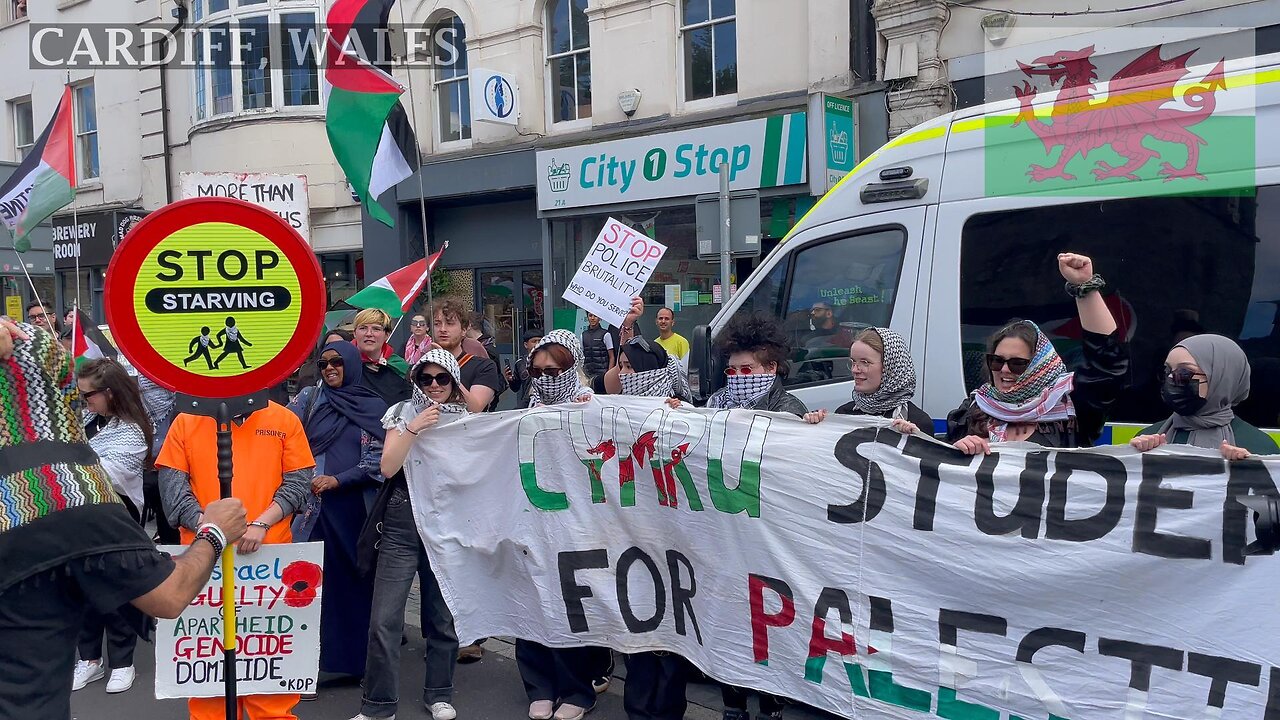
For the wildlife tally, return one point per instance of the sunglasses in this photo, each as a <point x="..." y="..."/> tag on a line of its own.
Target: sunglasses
<point x="426" y="380"/>
<point x="1017" y="366"/>
<point x="551" y="372"/>
<point x="334" y="362"/>
<point x="89" y="394"/>
<point x="742" y="370"/>
<point x="418" y="323"/>
<point x="1181" y="375"/>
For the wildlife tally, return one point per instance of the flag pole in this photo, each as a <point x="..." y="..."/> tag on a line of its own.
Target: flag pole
<point x="422" y="203"/>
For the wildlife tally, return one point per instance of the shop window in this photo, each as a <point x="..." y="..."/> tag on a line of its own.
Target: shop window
<point x="24" y="130"/>
<point x="452" y="89"/>
<point x="709" y="30"/>
<point x="86" y="127"/>
<point x="1175" y="267"/>
<point x="276" y="67"/>
<point x="568" y="60"/>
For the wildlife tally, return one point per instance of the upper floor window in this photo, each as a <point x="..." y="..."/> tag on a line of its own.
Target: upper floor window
<point x="14" y="10"/>
<point x="452" y="91"/>
<point x="710" y="32"/>
<point x="275" y="65"/>
<point x="24" y="128"/>
<point x="568" y="60"/>
<point x="86" y="116"/>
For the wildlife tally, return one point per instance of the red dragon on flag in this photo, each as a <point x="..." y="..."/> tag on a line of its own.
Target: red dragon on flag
<point x="1133" y="110"/>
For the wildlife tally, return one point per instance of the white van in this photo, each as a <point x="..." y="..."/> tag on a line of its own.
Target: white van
<point x="944" y="235"/>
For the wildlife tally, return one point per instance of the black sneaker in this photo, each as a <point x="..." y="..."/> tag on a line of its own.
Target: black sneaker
<point x="734" y="714"/>
<point x="775" y="715"/>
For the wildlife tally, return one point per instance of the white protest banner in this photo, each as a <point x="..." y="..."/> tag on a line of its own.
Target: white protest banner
<point x="858" y="570"/>
<point x="615" y="270"/>
<point x="278" y="591"/>
<point x="284" y="195"/>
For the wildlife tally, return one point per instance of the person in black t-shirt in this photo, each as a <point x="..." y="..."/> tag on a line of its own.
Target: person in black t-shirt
<point x="84" y="549"/>
<point x="481" y="381"/>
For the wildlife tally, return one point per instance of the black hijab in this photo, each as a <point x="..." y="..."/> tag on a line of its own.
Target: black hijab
<point x="350" y="403"/>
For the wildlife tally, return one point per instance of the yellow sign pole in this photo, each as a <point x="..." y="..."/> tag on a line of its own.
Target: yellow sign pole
<point x="225" y="471"/>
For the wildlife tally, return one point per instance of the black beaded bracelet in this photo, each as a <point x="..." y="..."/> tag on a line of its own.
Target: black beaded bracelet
<point x="1093" y="284"/>
<point x="213" y="540"/>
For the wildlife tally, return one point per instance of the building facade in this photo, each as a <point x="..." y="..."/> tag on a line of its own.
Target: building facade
<point x="623" y="108"/>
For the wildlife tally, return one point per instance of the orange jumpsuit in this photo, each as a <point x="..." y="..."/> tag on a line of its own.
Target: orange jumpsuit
<point x="269" y="443"/>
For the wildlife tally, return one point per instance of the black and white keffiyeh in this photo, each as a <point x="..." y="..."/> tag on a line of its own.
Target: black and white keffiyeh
<point x="898" y="382"/>
<point x="566" y="386"/>
<point x="435" y="356"/>
<point x="669" y="381"/>
<point x="742" y="391"/>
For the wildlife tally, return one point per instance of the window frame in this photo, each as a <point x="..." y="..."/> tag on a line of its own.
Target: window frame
<point x="77" y="104"/>
<point x="237" y="13"/>
<point x="716" y="100"/>
<point x="548" y="62"/>
<point x="11" y="16"/>
<point x="438" y="82"/>
<point x="789" y="282"/>
<point x="21" y="150"/>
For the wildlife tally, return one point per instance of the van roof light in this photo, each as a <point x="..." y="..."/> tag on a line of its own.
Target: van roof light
<point x="897" y="173"/>
<point x="894" y="191"/>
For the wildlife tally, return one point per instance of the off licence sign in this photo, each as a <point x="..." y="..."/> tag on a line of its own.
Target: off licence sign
<point x="215" y="297"/>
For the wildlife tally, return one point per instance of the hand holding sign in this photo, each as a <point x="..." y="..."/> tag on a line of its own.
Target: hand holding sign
<point x="615" y="270"/>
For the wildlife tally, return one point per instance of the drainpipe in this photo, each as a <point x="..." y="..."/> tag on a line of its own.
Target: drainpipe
<point x="862" y="40"/>
<point x="180" y="14"/>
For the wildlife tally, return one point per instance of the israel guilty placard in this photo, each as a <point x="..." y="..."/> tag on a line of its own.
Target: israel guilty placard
<point x="615" y="270"/>
<point x="216" y="295"/>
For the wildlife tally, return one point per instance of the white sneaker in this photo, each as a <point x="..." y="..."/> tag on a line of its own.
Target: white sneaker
<point x="121" y="679"/>
<point x="87" y="671"/>
<point x="362" y="716"/>
<point x="443" y="711"/>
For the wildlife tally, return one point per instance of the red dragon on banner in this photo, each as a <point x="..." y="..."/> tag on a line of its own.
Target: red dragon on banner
<point x="1133" y="110"/>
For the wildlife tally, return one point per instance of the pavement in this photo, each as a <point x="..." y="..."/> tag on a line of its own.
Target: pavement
<point x="486" y="690"/>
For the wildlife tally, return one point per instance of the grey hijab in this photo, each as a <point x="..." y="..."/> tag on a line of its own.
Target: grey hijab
<point x="1228" y="369"/>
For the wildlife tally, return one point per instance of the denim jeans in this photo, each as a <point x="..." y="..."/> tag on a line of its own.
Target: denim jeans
<point x="400" y="555"/>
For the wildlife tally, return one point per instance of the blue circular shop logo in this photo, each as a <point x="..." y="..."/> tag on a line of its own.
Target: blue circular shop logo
<point x="499" y="96"/>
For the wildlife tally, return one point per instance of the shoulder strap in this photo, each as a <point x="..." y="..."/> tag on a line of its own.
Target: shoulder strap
<point x="464" y="360"/>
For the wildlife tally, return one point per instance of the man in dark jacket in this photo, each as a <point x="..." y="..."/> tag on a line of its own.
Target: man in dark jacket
<point x="519" y="378"/>
<point x="597" y="348"/>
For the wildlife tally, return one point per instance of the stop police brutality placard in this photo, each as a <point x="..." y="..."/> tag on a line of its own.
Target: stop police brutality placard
<point x="615" y="270"/>
<point x="214" y="297"/>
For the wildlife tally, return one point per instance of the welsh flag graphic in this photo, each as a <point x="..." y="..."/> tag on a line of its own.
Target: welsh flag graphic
<point x="368" y="130"/>
<point x="395" y="292"/>
<point x="45" y="181"/>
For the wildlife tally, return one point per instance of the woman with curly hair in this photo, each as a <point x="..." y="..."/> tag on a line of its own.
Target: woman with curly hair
<point x="756" y="350"/>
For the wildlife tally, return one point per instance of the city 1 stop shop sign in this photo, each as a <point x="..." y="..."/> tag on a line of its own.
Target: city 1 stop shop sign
<point x="215" y="297"/>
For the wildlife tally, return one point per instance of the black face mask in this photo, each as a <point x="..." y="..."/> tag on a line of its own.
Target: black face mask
<point x="1185" y="399"/>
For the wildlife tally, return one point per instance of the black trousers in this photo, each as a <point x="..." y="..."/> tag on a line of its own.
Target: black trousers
<point x="121" y="639"/>
<point x="655" y="688"/>
<point x="736" y="698"/>
<point x="558" y="674"/>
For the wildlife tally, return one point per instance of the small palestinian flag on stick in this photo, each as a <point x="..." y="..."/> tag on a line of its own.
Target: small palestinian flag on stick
<point x="394" y="293"/>
<point x="45" y="182"/>
<point x="87" y="341"/>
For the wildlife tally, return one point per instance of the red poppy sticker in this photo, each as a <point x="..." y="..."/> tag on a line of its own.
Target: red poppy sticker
<point x="301" y="579"/>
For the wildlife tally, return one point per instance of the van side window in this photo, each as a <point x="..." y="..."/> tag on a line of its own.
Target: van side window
<point x="837" y="288"/>
<point x="1174" y="266"/>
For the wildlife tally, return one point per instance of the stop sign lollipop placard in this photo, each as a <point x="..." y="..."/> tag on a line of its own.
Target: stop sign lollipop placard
<point x="214" y="297"/>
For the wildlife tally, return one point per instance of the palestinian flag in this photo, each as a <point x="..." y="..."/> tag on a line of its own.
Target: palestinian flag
<point x="45" y="182"/>
<point x="87" y="341"/>
<point x="368" y="130"/>
<point x="394" y="293"/>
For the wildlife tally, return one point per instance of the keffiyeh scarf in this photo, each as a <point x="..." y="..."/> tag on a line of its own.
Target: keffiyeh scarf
<point x="742" y="391"/>
<point x="564" y="387"/>
<point x="898" y="382"/>
<point x="1042" y="392"/>
<point x="435" y="356"/>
